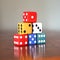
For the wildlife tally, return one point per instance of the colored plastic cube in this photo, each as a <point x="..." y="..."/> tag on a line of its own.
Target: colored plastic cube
<point x="41" y="38"/>
<point x="32" y="39"/>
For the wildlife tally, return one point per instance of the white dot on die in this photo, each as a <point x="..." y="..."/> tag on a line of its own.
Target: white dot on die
<point x="34" y="41"/>
<point x="43" y="40"/>
<point x="25" y="42"/>
<point x="34" y="35"/>
<point x="29" y="36"/>
<point x="30" y="42"/>
<point x="43" y="35"/>
<point x="15" y="36"/>
<point x="23" y="13"/>
<point x="26" y="13"/>
<point x="26" y="19"/>
<point x="26" y="36"/>
<point x="32" y="17"/>
<point x="38" y="35"/>
<point x="32" y="38"/>
<point x="24" y="16"/>
<point x="20" y="43"/>
<point x="20" y="37"/>
<point x="16" y="42"/>
<point x="39" y="41"/>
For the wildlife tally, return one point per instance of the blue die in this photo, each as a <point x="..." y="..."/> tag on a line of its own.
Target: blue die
<point x="41" y="38"/>
<point x="32" y="39"/>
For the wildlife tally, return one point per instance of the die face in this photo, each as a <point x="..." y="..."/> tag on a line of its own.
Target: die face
<point x="21" y="40"/>
<point x="24" y="28"/>
<point x="32" y="39"/>
<point x="37" y="28"/>
<point x="16" y="39"/>
<point x="41" y="39"/>
<point x="29" y="17"/>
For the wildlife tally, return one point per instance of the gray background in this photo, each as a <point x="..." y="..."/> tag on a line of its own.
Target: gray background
<point x="48" y="13"/>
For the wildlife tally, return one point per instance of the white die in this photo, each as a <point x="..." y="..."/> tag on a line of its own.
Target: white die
<point x="37" y="28"/>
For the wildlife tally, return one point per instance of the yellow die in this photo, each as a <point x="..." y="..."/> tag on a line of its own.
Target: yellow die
<point x="24" y="28"/>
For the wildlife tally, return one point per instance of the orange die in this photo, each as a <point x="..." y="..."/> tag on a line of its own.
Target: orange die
<point x="24" y="28"/>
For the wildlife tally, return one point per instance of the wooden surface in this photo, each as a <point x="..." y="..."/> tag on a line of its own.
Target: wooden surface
<point x="48" y="51"/>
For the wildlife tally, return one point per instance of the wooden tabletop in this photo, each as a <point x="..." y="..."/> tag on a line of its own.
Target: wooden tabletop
<point x="48" y="51"/>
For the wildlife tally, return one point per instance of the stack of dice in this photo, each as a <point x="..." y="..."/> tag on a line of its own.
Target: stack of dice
<point x="29" y="32"/>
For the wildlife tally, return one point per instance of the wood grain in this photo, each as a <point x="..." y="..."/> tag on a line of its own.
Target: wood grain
<point x="48" y="51"/>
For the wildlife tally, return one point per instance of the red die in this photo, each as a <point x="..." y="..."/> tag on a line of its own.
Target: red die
<point x="30" y="17"/>
<point x="20" y="39"/>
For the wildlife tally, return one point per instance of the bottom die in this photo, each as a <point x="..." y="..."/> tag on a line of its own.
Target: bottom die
<point x="20" y="39"/>
<point x="41" y="38"/>
<point x="32" y="39"/>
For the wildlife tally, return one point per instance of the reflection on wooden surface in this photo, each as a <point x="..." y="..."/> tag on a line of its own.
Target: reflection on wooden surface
<point x="50" y="51"/>
<point x="29" y="52"/>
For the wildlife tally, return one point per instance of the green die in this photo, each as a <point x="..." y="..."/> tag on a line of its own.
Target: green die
<point x="41" y="38"/>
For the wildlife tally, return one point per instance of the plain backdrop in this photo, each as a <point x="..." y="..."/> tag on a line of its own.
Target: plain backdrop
<point x="48" y="12"/>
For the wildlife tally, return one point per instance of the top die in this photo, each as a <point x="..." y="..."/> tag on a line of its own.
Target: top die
<point x="29" y="17"/>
